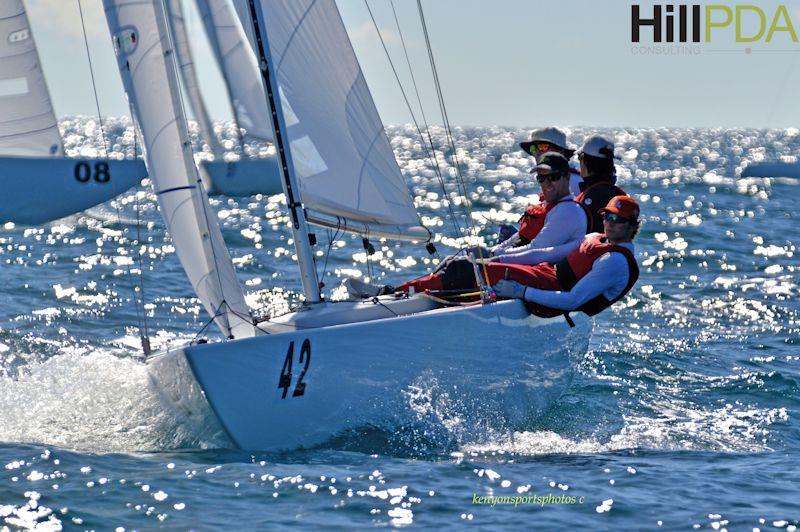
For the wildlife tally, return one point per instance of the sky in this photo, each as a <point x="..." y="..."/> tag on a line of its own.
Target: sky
<point x="521" y="63"/>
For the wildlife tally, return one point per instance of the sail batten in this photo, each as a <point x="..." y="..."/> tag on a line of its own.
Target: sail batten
<point x="344" y="162"/>
<point x="141" y="41"/>
<point x="28" y="125"/>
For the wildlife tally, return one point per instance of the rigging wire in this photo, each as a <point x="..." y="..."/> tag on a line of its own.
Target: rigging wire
<point x="445" y="117"/>
<point x="449" y="135"/>
<point x="144" y="331"/>
<point x="139" y="309"/>
<point x="138" y="302"/>
<point x="431" y="155"/>
<point x="94" y="85"/>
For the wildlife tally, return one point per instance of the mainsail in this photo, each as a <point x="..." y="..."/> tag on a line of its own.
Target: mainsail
<point x="183" y="51"/>
<point x="239" y="67"/>
<point x="343" y="161"/>
<point x="28" y="125"/>
<point x="140" y="37"/>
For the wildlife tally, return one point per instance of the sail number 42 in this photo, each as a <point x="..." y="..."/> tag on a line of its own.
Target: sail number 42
<point x="285" y="380"/>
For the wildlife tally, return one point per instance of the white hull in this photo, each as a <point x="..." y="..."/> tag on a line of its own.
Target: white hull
<point x="772" y="169"/>
<point x="41" y="189"/>
<point x="245" y="177"/>
<point x="496" y="362"/>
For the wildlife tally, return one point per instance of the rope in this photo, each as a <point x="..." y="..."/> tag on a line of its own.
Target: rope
<point x="331" y="240"/>
<point x="94" y="85"/>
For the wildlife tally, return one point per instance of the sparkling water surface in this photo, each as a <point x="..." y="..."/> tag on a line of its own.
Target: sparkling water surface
<point x="683" y="414"/>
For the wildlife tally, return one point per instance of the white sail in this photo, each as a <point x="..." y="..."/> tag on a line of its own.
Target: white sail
<point x="242" y="8"/>
<point x="189" y="75"/>
<point x="28" y="125"/>
<point x="342" y="156"/>
<point x="239" y="67"/>
<point x="140" y="36"/>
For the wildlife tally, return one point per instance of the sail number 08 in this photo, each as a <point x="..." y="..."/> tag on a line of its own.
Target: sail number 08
<point x="285" y="380"/>
<point x="85" y="173"/>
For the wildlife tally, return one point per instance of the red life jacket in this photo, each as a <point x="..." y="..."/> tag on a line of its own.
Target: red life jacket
<point x="595" y="197"/>
<point x="579" y="263"/>
<point x="532" y="222"/>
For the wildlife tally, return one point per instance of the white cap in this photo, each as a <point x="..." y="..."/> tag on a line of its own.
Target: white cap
<point x="597" y="146"/>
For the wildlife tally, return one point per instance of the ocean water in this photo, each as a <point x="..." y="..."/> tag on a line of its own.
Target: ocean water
<point x="684" y="414"/>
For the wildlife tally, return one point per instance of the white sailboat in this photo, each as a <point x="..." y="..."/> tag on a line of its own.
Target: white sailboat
<point x="303" y="378"/>
<point x="32" y="160"/>
<point x="229" y="44"/>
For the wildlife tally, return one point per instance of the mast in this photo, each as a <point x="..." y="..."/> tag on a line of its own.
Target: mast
<point x="305" y="256"/>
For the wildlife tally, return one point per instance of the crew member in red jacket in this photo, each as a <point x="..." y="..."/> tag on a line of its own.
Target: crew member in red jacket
<point x="598" y="272"/>
<point x="548" y="229"/>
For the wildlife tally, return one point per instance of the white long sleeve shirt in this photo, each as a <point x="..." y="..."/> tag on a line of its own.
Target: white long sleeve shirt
<point x="575" y="181"/>
<point x="565" y="224"/>
<point x="608" y="277"/>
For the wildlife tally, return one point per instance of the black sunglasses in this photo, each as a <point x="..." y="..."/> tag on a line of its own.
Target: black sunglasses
<point x="552" y="176"/>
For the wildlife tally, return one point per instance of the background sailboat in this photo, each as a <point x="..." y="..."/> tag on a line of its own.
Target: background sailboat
<point x="772" y="169"/>
<point x="330" y="367"/>
<point x="249" y="174"/>
<point x="32" y="161"/>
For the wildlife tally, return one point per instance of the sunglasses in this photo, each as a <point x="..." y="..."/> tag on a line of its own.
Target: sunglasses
<point x="553" y="177"/>
<point x="615" y="218"/>
<point x="541" y="147"/>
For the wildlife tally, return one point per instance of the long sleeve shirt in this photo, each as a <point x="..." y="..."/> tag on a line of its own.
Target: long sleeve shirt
<point x="566" y="223"/>
<point x="608" y="277"/>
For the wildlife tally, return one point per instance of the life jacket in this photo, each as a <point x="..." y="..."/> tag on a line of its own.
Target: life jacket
<point x="532" y="222"/>
<point x="596" y="196"/>
<point x="579" y="263"/>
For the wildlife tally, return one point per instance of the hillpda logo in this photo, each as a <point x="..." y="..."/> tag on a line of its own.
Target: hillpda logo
<point x="693" y="25"/>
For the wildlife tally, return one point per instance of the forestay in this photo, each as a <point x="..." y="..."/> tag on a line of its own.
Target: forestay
<point x="28" y="125"/>
<point x="141" y="41"/>
<point x="189" y="75"/>
<point x="341" y="154"/>
<point x="239" y="67"/>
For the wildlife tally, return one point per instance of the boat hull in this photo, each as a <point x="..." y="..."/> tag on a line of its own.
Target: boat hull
<point x="37" y="190"/>
<point x="491" y="365"/>
<point x="245" y="177"/>
<point x="772" y="169"/>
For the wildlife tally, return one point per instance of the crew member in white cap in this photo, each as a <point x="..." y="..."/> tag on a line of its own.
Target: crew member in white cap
<point x="599" y="177"/>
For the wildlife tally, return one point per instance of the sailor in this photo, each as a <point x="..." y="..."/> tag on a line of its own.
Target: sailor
<point x="559" y="219"/>
<point x="543" y="140"/>
<point x="549" y="139"/>
<point x="550" y="231"/>
<point x="598" y="272"/>
<point x="599" y="177"/>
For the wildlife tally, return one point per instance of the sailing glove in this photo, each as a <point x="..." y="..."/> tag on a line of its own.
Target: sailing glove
<point x="509" y="289"/>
